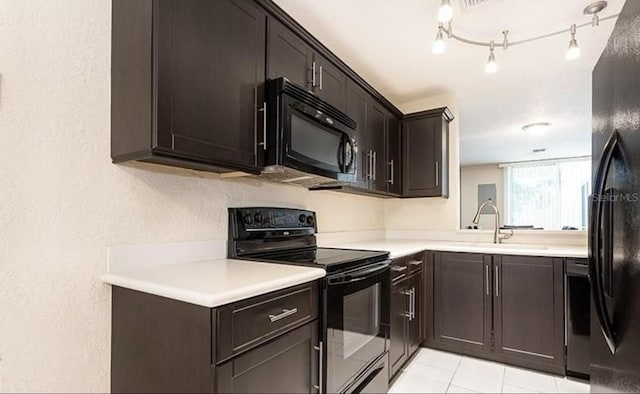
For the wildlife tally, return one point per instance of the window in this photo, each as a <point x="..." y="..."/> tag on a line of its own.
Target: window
<point x="549" y="195"/>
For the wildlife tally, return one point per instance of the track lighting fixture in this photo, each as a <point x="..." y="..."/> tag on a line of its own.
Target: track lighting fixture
<point x="445" y="15"/>
<point x="445" y="12"/>
<point x="574" y="50"/>
<point x="439" y="44"/>
<point x="492" y="65"/>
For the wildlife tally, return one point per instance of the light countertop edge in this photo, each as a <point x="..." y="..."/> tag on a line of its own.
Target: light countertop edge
<point x="401" y="248"/>
<point x="174" y="281"/>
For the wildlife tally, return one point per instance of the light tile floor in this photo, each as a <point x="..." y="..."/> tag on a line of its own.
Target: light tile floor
<point x="433" y="371"/>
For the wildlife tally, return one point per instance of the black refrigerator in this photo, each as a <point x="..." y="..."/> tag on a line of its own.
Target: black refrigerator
<point x="614" y="227"/>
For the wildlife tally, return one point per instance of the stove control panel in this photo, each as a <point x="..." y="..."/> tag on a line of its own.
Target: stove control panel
<point x="262" y="218"/>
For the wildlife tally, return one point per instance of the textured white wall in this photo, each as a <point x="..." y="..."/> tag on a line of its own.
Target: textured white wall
<point x="62" y="202"/>
<point x="437" y="214"/>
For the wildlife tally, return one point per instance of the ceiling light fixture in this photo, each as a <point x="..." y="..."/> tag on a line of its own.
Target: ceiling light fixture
<point x="445" y="12"/>
<point x="536" y="127"/>
<point x="574" y="50"/>
<point x="445" y="15"/>
<point x="439" y="45"/>
<point x="492" y="65"/>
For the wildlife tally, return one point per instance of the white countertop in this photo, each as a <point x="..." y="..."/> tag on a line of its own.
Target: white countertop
<point x="399" y="248"/>
<point x="213" y="283"/>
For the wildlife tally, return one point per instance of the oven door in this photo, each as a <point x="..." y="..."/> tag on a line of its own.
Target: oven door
<point x="316" y="143"/>
<point x="357" y="307"/>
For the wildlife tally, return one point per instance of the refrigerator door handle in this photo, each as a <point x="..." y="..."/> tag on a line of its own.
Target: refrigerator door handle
<point x="595" y="241"/>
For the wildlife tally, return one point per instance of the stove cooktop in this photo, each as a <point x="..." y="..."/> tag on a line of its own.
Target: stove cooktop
<point x="332" y="260"/>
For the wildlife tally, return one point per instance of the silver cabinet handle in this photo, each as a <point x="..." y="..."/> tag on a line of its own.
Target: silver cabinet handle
<point x="413" y="303"/>
<point x="320" y="77"/>
<point x="370" y="172"/>
<point x="313" y="74"/>
<point x="264" y="126"/>
<point x="320" y="360"/>
<point x="409" y="293"/>
<point x="437" y="173"/>
<point x="486" y="275"/>
<point x="395" y="268"/>
<point x="391" y="172"/>
<point x="375" y="172"/>
<point x="416" y="262"/>
<point x="285" y="313"/>
<point x="497" y="281"/>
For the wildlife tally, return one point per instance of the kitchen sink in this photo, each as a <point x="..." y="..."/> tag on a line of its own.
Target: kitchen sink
<point x="482" y="245"/>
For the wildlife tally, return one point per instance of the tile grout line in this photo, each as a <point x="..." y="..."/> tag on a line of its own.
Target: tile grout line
<point x="454" y="375"/>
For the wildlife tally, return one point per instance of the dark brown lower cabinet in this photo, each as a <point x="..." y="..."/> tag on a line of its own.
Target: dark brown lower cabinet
<point x="503" y="308"/>
<point x="399" y="326"/>
<point x="258" y="345"/>
<point x="528" y="310"/>
<point x="288" y="364"/>
<point x="407" y="318"/>
<point x="462" y="302"/>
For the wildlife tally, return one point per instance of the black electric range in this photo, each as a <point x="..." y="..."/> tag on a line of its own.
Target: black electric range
<point x="355" y="292"/>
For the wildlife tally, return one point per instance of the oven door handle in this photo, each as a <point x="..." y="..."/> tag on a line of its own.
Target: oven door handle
<point x="359" y="274"/>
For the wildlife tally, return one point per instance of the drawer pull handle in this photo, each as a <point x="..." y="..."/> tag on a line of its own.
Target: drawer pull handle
<point x="416" y="262"/>
<point x="285" y="313"/>
<point x="398" y="269"/>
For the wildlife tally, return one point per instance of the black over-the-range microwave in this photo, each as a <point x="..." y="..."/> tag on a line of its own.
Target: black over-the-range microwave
<point x="308" y="141"/>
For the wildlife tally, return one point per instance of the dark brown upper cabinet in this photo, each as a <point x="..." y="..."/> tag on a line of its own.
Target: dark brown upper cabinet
<point x="356" y="108"/>
<point x="331" y="83"/>
<point x="425" y="153"/>
<point x="289" y="56"/>
<point x="394" y="154"/>
<point x="376" y="144"/>
<point x="186" y="83"/>
<point x="372" y="118"/>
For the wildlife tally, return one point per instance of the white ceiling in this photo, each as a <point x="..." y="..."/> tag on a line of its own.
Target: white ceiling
<point x="388" y="42"/>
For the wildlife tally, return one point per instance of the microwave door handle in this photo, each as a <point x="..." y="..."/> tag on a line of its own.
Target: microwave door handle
<point x="349" y="152"/>
<point x="595" y="242"/>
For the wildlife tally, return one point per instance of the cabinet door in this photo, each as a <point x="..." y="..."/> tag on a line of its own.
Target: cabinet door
<point x="394" y="180"/>
<point x="528" y="310"/>
<point x="357" y="109"/>
<point x="376" y="136"/>
<point x="462" y="302"/>
<point x="331" y="83"/>
<point x="288" y="364"/>
<point x="399" y="320"/>
<point x="425" y="151"/>
<point x="210" y="58"/>
<point x="288" y="56"/>
<point x="415" y="336"/>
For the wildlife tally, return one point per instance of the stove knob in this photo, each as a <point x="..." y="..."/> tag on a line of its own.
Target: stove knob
<point x="302" y="218"/>
<point x="258" y="217"/>
<point x="248" y="219"/>
<point x="310" y="220"/>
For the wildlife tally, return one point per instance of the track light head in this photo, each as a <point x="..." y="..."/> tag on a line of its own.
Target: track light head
<point x="439" y="44"/>
<point x="574" y="50"/>
<point x="491" y="66"/>
<point x="445" y="12"/>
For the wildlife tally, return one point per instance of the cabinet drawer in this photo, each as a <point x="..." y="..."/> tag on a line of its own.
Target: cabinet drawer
<point x="399" y="269"/>
<point x="246" y="324"/>
<point x="415" y="262"/>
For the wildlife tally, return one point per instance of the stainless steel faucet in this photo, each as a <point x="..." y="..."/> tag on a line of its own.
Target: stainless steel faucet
<point x="497" y="237"/>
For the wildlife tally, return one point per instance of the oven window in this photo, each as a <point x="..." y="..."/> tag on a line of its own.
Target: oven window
<point x="361" y="319"/>
<point x="315" y="142"/>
